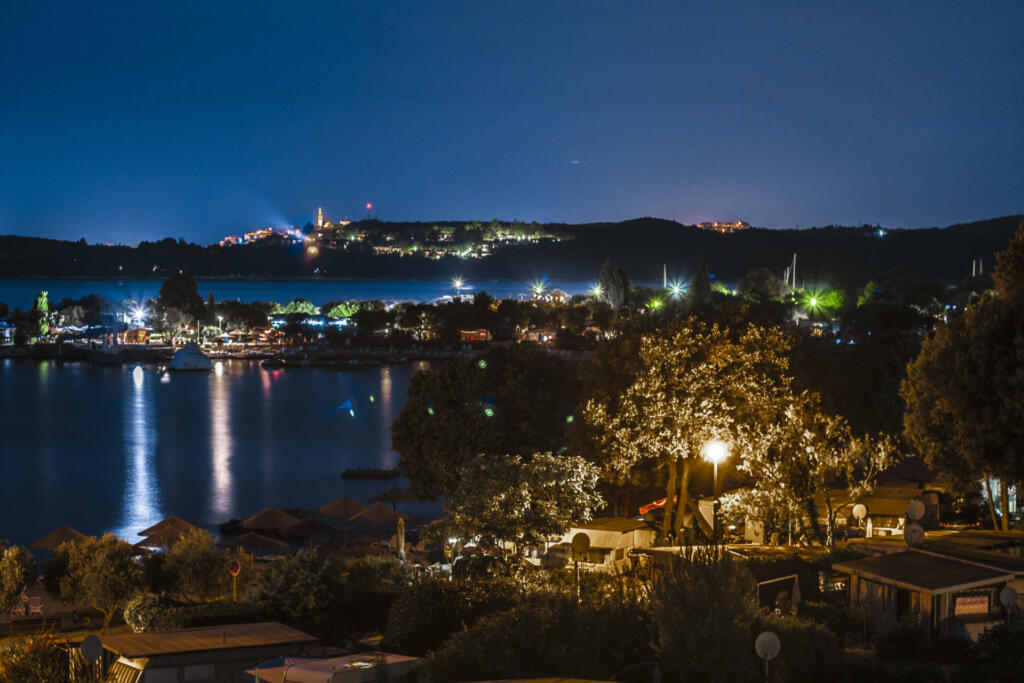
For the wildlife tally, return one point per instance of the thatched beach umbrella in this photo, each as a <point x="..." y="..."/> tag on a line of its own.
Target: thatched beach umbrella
<point x="54" y="539"/>
<point x="162" y="538"/>
<point x="378" y="514"/>
<point x="253" y="542"/>
<point x="169" y="521"/>
<point x="310" y="529"/>
<point x="344" y="507"/>
<point x="394" y="495"/>
<point x="270" y="518"/>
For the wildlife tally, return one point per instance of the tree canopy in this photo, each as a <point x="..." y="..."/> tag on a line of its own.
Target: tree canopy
<point x="965" y="391"/>
<point x="180" y="292"/>
<point x="697" y="382"/>
<point x="522" y="500"/>
<point x="509" y="401"/>
<point x="99" y="572"/>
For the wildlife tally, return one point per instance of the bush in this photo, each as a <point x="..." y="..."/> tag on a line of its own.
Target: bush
<point x="305" y="590"/>
<point x="150" y="613"/>
<point x="906" y="641"/>
<point x="378" y="574"/>
<point x="434" y="608"/>
<point x="837" y="618"/>
<point x="703" y="608"/>
<point x="548" y="638"/>
<point x="37" y="658"/>
<point x="809" y="650"/>
<point x="217" y="613"/>
<point x="1003" y="644"/>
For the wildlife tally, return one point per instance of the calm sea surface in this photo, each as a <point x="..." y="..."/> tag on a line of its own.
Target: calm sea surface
<point x="22" y="293"/>
<point x="102" y="450"/>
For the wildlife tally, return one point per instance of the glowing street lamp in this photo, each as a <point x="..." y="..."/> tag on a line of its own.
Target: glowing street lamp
<point x="813" y="302"/>
<point x="458" y="284"/>
<point x="655" y="304"/>
<point x="676" y="289"/>
<point x="597" y="291"/>
<point x="715" y="451"/>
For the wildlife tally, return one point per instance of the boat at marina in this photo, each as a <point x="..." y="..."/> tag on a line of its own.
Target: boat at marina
<point x="190" y="358"/>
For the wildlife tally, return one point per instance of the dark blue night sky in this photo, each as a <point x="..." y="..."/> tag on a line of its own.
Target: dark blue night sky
<point x="138" y="120"/>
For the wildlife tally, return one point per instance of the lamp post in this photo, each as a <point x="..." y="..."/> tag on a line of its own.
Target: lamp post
<point x="715" y="451"/>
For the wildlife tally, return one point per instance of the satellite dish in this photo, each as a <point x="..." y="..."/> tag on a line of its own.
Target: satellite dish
<point x="1008" y="597"/>
<point x="767" y="645"/>
<point x="860" y="511"/>
<point x="915" y="510"/>
<point x="580" y="544"/>
<point x="913" y="534"/>
<point x="91" y="647"/>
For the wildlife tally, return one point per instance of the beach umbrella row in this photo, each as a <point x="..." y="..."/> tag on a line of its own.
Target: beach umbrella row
<point x="169" y="530"/>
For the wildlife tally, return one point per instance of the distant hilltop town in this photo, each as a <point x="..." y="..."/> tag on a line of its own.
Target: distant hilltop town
<point x="724" y="228"/>
<point x="468" y="240"/>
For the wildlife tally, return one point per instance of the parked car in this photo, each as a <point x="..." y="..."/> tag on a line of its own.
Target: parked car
<point x="966" y="515"/>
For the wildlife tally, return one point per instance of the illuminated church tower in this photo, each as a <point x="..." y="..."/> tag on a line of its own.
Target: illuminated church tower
<point x="319" y="218"/>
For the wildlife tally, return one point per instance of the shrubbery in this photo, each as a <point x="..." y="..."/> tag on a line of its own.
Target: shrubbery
<point x="37" y="658"/>
<point x="547" y="632"/>
<point x="151" y="613"/>
<point x="809" y="649"/>
<point x="434" y="608"/>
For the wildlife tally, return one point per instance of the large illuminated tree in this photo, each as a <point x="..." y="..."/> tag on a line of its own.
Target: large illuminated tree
<point x="522" y="500"/>
<point x="697" y="382"/>
<point x="807" y="464"/>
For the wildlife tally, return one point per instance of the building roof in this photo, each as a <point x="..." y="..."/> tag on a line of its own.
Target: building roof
<point x="302" y="668"/>
<point x="620" y="524"/>
<point x="924" y="572"/>
<point x="207" y="638"/>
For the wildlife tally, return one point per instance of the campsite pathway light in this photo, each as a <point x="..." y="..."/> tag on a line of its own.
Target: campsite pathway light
<point x="715" y="451"/>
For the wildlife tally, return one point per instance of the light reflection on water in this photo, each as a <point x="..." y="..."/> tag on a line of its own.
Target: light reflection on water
<point x="140" y="494"/>
<point x="220" y="442"/>
<point x="102" y="449"/>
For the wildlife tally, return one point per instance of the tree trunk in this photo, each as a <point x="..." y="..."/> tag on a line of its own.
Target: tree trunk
<point x="830" y="521"/>
<point x="991" y="501"/>
<point x="1004" y="503"/>
<point x="812" y="512"/>
<point x="684" y="497"/>
<point x="670" y="491"/>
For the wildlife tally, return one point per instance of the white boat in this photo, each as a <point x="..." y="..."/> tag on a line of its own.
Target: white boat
<point x="190" y="358"/>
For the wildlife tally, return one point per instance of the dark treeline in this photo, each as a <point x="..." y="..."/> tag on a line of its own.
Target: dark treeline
<point x="642" y="246"/>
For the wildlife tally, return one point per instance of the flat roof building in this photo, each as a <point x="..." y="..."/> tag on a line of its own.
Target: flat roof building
<point x="203" y="655"/>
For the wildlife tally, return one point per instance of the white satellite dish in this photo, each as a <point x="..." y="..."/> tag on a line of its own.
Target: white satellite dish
<point x="1008" y="597"/>
<point x="767" y="645"/>
<point x="860" y="511"/>
<point x="915" y="510"/>
<point x="91" y="647"/>
<point x="913" y="534"/>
